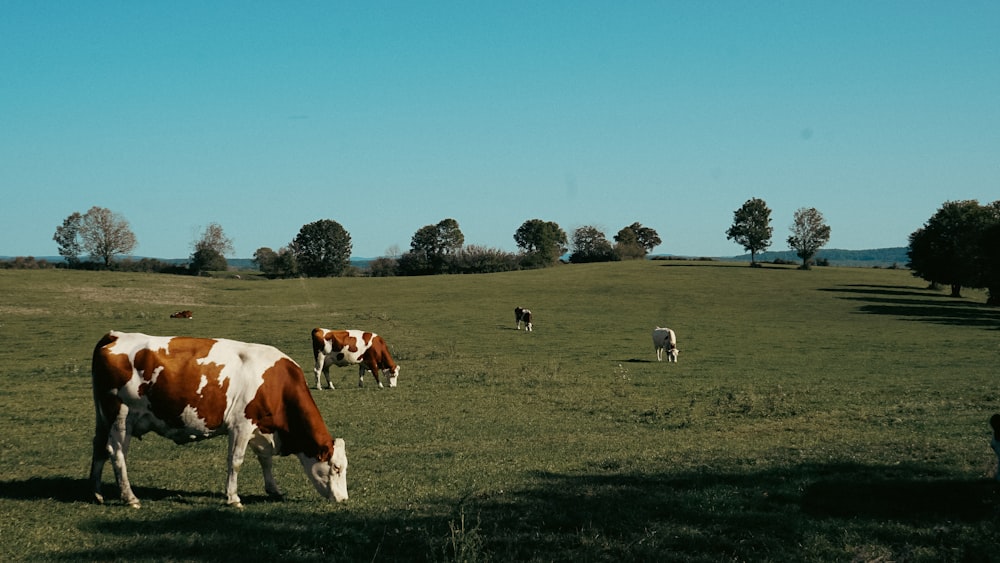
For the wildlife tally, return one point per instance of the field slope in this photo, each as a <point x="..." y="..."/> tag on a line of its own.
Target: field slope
<point x="838" y="414"/>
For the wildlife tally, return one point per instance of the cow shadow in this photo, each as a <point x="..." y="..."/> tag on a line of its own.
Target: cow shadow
<point x="69" y="490"/>
<point x="608" y="513"/>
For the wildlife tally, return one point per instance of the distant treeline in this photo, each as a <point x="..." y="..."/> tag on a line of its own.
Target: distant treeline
<point x="877" y="257"/>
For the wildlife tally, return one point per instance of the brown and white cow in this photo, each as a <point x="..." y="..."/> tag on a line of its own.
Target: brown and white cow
<point x="189" y="389"/>
<point x="347" y="347"/>
<point x="665" y="340"/>
<point x="522" y="315"/>
<point x="995" y="441"/>
<point x="182" y="315"/>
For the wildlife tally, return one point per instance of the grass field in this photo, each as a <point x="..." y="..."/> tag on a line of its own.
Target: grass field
<point x="838" y="414"/>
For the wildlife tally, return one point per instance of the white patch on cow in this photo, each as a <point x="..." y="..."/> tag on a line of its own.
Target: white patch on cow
<point x="194" y="422"/>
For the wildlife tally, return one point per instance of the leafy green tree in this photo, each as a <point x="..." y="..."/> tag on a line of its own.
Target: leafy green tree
<point x="266" y="260"/>
<point x="627" y="246"/>
<point x="751" y="228"/>
<point x="431" y="248"/>
<point x="542" y="242"/>
<point x="67" y="237"/>
<point x="948" y="249"/>
<point x="590" y="245"/>
<point x="322" y="249"/>
<point x="990" y="244"/>
<point x="210" y="250"/>
<point x="809" y="234"/>
<point x="105" y="234"/>
<point x="635" y="241"/>
<point x="645" y="237"/>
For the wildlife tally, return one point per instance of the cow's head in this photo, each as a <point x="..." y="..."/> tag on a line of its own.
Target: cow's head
<point x="393" y="374"/>
<point x="329" y="477"/>
<point x="672" y="355"/>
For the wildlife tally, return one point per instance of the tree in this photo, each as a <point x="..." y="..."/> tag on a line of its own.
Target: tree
<point x="635" y="241"/>
<point x="948" y="248"/>
<point x="430" y="248"/>
<point x="991" y="261"/>
<point x="67" y="237"/>
<point x="809" y="234"/>
<point x="590" y="245"/>
<point x="542" y="242"/>
<point x="266" y="260"/>
<point x="210" y="250"/>
<point x="322" y="248"/>
<point x="104" y="234"/>
<point x="751" y="227"/>
<point x="646" y="237"/>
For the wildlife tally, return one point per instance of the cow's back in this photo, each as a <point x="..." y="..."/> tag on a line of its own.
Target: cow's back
<point x="180" y="387"/>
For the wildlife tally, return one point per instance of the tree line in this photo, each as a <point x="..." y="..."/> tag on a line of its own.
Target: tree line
<point x="959" y="246"/>
<point x="323" y="248"/>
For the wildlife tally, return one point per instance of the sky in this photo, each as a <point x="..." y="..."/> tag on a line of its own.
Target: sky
<point x="389" y="116"/>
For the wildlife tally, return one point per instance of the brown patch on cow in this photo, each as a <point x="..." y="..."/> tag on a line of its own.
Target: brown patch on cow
<point x="172" y="378"/>
<point x="182" y="315"/>
<point x="378" y="357"/>
<point x="109" y="371"/>
<point x="284" y="405"/>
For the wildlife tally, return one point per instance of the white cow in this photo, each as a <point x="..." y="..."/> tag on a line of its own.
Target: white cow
<point x="664" y="339"/>
<point x="995" y="441"/>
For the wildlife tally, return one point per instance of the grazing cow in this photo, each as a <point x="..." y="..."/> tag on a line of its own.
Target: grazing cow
<point x="995" y="441"/>
<point x="521" y="314"/>
<point x="346" y="347"/>
<point x="664" y="339"/>
<point x="182" y="315"/>
<point x="189" y="389"/>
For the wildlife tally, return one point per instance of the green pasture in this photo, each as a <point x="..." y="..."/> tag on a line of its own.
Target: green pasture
<point x="838" y="414"/>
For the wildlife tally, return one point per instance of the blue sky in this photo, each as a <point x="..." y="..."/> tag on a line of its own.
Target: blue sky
<point x="389" y="116"/>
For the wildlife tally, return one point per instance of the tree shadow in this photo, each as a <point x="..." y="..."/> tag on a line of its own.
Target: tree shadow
<point x="919" y="305"/>
<point x="606" y="514"/>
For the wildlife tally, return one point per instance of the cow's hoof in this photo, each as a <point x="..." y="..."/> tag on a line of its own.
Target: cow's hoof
<point x="98" y="498"/>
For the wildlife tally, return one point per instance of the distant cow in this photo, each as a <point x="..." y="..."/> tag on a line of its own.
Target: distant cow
<point x="347" y="347"/>
<point x="521" y="314"/>
<point x="664" y="340"/>
<point x="182" y="315"/>
<point x="995" y="441"/>
<point x="189" y="389"/>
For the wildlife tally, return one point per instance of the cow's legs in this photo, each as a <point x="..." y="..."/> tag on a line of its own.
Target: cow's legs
<point x="371" y="365"/>
<point x="99" y="458"/>
<point x="264" y="449"/>
<point x="321" y="369"/>
<point x="238" y="440"/>
<point x="659" y="354"/>
<point x="117" y="447"/>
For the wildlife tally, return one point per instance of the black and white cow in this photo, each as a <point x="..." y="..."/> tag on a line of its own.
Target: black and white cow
<point x="522" y="315"/>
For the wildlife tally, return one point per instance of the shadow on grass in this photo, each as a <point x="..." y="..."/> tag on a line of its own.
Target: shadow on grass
<point x="924" y="306"/>
<point x="703" y="515"/>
